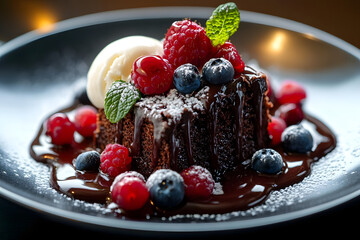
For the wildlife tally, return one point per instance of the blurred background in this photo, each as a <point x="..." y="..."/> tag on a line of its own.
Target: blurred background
<point x="339" y="18"/>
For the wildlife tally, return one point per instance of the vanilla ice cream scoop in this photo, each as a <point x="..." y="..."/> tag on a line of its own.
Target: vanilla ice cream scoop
<point x="115" y="61"/>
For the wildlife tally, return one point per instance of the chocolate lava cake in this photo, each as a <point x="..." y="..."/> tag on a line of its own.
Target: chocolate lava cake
<point x="217" y="127"/>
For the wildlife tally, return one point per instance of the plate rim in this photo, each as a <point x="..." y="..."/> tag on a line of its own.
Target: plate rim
<point x="174" y="12"/>
<point x="161" y="13"/>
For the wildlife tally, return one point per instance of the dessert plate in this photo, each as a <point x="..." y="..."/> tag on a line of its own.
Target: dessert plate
<point x="41" y="73"/>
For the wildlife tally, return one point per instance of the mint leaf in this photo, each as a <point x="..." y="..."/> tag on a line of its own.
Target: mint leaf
<point x="119" y="100"/>
<point x="223" y="23"/>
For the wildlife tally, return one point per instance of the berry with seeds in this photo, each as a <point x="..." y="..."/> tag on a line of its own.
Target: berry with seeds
<point x="291" y="113"/>
<point x="187" y="78"/>
<point x="218" y="71"/>
<point x="85" y="120"/>
<point x="275" y="129"/>
<point x="297" y="139"/>
<point x="199" y="182"/>
<point x="267" y="161"/>
<point x="60" y="129"/>
<point x="88" y="161"/>
<point x="229" y="52"/>
<point x="166" y="188"/>
<point x="187" y="42"/>
<point x="290" y="92"/>
<point x="130" y="193"/>
<point x="152" y="75"/>
<point x="115" y="159"/>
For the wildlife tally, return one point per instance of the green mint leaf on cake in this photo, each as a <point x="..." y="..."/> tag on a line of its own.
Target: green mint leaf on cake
<point x="119" y="100"/>
<point x="223" y="23"/>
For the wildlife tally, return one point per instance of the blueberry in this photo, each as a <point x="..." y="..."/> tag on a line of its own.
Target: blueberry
<point x="186" y="78"/>
<point x="296" y="139"/>
<point x="267" y="161"/>
<point x="218" y="71"/>
<point x="166" y="188"/>
<point x="88" y="161"/>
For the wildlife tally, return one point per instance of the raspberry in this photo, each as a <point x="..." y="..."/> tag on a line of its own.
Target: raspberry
<point x="152" y="75"/>
<point x="85" y="120"/>
<point x="291" y="113"/>
<point x="60" y="129"/>
<point x="229" y="52"/>
<point x="186" y="42"/>
<point x="115" y="159"/>
<point x="291" y="92"/>
<point x="275" y="129"/>
<point x="130" y="193"/>
<point x="198" y="182"/>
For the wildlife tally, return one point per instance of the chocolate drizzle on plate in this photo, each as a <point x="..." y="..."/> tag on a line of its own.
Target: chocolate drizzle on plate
<point x="239" y="188"/>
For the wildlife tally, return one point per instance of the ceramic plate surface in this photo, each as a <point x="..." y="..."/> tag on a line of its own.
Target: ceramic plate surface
<point x="40" y="74"/>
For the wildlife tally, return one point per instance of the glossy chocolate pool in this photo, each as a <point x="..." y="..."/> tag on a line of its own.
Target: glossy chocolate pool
<point x="240" y="189"/>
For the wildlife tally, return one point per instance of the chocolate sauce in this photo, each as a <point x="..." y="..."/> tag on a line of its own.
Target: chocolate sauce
<point x="242" y="188"/>
<point x="188" y="117"/>
<point x="238" y="109"/>
<point x="135" y="146"/>
<point x="214" y="162"/>
<point x="258" y="90"/>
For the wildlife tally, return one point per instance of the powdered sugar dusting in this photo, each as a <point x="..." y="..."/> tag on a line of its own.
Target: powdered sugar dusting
<point x="172" y="105"/>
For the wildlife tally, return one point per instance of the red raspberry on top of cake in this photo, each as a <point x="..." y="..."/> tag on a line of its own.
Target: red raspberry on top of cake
<point x="152" y="74"/>
<point x="187" y="42"/>
<point x="229" y="52"/>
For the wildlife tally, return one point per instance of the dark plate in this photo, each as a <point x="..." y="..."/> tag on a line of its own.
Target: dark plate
<point x="40" y="74"/>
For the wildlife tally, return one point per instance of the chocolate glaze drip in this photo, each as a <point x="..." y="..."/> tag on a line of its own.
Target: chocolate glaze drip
<point x="259" y="89"/>
<point x="238" y="109"/>
<point x="135" y="146"/>
<point x="174" y="143"/>
<point x="188" y="117"/>
<point x="158" y="128"/>
<point x="214" y="163"/>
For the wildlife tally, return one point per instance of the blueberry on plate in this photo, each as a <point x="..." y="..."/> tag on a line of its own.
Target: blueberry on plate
<point x="166" y="188"/>
<point x="267" y="161"/>
<point x="297" y="139"/>
<point x="88" y="161"/>
<point x="218" y="71"/>
<point x="186" y="78"/>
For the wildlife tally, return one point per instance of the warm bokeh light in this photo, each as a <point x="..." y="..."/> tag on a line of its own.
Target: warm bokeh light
<point x="43" y="22"/>
<point x="277" y="42"/>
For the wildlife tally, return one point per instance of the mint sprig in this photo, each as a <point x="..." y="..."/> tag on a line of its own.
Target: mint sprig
<point x="119" y="100"/>
<point x="223" y="23"/>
